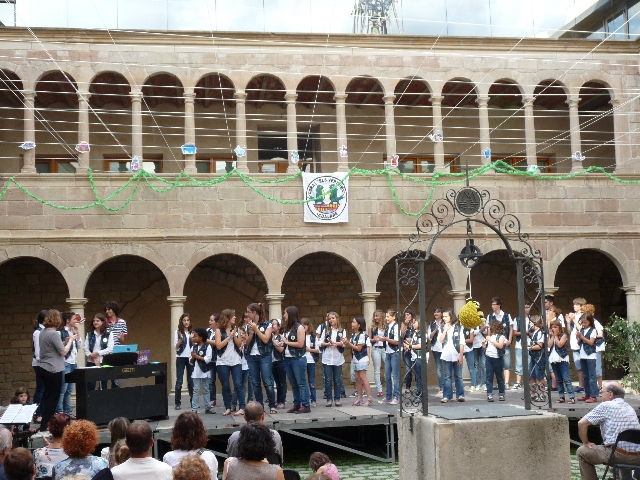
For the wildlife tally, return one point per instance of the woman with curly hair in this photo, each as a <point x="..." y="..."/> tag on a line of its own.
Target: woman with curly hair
<point x="254" y="445"/>
<point x="189" y="437"/>
<point x="192" y="468"/>
<point x="48" y="456"/>
<point x="79" y="440"/>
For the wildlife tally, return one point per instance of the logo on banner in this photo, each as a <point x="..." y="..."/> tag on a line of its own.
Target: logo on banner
<point x="330" y="197"/>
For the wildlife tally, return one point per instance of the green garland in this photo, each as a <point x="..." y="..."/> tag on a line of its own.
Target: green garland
<point x="185" y="180"/>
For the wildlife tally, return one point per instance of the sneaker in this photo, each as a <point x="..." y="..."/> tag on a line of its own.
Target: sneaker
<point x="506" y="386"/>
<point x="501" y="398"/>
<point x="489" y="398"/>
<point x="353" y="395"/>
<point x="178" y="407"/>
<point x="579" y="389"/>
<point x="591" y="400"/>
<point x="516" y="386"/>
<point x="472" y="389"/>
<point x="484" y="388"/>
<point x="210" y="411"/>
<point x="461" y="399"/>
<point x="444" y="400"/>
<point x="394" y="402"/>
<point x="386" y="400"/>
<point x="380" y="394"/>
<point x="303" y="410"/>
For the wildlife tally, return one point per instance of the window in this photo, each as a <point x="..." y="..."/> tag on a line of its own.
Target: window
<point x="279" y="165"/>
<point x="616" y="27"/>
<point x="413" y="164"/>
<point x="56" y="165"/>
<point x="634" y="21"/>
<point x="544" y="163"/>
<point x="220" y="165"/>
<point x="117" y="164"/>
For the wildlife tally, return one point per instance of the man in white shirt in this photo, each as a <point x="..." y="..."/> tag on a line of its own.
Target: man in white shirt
<point x="141" y="465"/>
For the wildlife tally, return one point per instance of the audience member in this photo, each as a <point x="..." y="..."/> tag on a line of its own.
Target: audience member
<point x="193" y="468"/>
<point x="321" y="464"/>
<point x="141" y="465"/>
<point x="118" y="430"/>
<point x="189" y="438"/>
<point x="254" y="446"/>
<point x="19" y="465"/>
<point x="120" y="455"/>
<point x="52" y="453"/>
<point x="5" y="447"/>
<point x="79" y="440"/>
<point x="254" y="413"/>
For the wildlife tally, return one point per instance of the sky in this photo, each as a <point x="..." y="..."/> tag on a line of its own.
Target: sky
<point x="508" y="18"/>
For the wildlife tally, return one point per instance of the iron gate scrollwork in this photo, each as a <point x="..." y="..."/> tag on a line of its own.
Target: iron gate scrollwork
<point x="467" y="206"/>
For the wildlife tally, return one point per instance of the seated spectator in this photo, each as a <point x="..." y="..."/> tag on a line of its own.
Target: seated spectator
<point x="52" y="453"/>
<point x="192" y="468"/>
<point x="321" y="464"/>
<point x="254" y="412"/>
<point x="79" y="440"/>
<point x="118" y="429"/>
<point x="5" y="447"/>
<point x="120" y="455"/>
<point x="19" y="465"/>
<point x="141" y="465"/>
<point x="189" y="437"/>
<point x="255" y="444"/>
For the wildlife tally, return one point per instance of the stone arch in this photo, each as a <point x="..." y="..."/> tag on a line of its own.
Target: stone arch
<point x="56" y="86"/>
<point x="222" y="89"/>
<point x="157" y="86"/>
<point x="498" y="76"/>
<point x="365" y="90"/>
<point x="265" y="87"/>
<point x="36" y="251"/>
<point x="103" y="91"/>
<point x="114" y="68"/>
<point x="412" y="95"/>
<point x="606" y="81"/>
<point x="324" y="78"/>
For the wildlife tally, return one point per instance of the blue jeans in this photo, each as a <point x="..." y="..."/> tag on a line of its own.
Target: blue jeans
<point x="561" y="371"/>
<point x="439" y="372"/>
<point x="262" y="366"/>
<point x="589" y="375"/>
<point x="576" y="359"/>
<point x="507" y="357"/>
<point x="37" y="395"/>
<point x="470" y="358"/>
<point x="246" y="384"/>
<point x="332" y="376"/>
<point x="598" y="364"/>
<point x="225" y="372"/>
<point x="297" y="373"/>
<point x="212" y="381"/>
<point x="64" y="402"/>
<point x="92" y="385"/>
<point x="311" y="379"/>
<point x="280" y="377"/>
<point x="195" y="401"/>
<point x="480" y="366"/>
<point x="183" y="363"/>
<point x="417" y="370"/>
<point x="518" y="361"/>
<point x="452" y="369"/>
<point x="377" y="354"/>
<point x="392" y="374"/>
<point x="494" y="366"/>
<point x="407" y="369"/>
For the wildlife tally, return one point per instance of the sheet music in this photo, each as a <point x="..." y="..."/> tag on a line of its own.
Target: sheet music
<point x="17" y="413"/>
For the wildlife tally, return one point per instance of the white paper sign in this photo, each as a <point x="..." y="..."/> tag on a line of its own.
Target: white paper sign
<point x="330" y="204"/>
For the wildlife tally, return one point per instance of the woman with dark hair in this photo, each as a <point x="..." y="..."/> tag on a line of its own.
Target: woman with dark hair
<point x="189" y="437"/>
<point x="295" y="363"/>
<point x="18" y="464"/>
<point x="259" y="348"/>
<point x="229" y="363"/>
<point x="182" y="344"/>
<point x="79" y="440"/>
<point x="452" y="340"/>
<point x="51" y="363"/>
<point x="69" y="321"/>
<point x="98" y="343"/>
<point x="255" y="444"/>
<point x="279" y="372"/>
<point x="587" y="337"/>
<point x="48" y="456"/>
<point x="118" y="430"/>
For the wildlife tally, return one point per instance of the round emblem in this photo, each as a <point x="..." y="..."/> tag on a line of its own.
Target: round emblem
<point x="330" y="197"/>
<point x="468" y="201"/>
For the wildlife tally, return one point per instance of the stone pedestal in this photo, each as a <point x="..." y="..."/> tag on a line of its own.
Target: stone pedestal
<point x="523" y="447"/>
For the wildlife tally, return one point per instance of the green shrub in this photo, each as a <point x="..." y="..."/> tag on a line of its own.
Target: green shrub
<point x="623" y="349"/>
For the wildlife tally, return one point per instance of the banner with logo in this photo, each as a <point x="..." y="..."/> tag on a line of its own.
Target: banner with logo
<point x="330" y="194"/>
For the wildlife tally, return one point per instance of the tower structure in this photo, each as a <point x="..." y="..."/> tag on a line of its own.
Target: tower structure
<point x="377" y="16"/>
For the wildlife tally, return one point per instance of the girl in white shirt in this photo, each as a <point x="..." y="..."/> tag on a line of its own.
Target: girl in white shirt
<point x="98" y="343"/>
<point x="333" y="358"/>
<point x="182" y="344"/>
<point x="452" y="340"/>
<point x="494" y="362"/>
<point x="312" y="355"/>
<point x="587" y="337"/>
<point x="377" y="347"/>
<point x="360" y="346"/>
<point x="600" y="343"/>
<point x="229" y="363"/>
<point x="559" y="360"/>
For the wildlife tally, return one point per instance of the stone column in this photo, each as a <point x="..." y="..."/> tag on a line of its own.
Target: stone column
<point x="189" y="130"/>
<point x="241" y="129"/>
<point x="633" y="303"/>
<point x="177" y="309"/>
<point x="390" y="126"/>
<point x="574" y="125"/>
<point x="438" y="147"/>
<point x="274" y="301"/>
<point x="292" y="131"/>
<point x="83" y="130"/>
<point x="530" y="131"/>
<point x="77" y="305"/>
<point x="29" y="134"/>
<point x="341" y="129"/>
<point x="485" y="134"/>
<point x="136" y="123"/>
<point x="621" y="136"/>
<point x="368" y="307"/>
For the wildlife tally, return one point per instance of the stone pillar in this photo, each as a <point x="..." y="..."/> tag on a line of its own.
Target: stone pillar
<point x="29" y="134"/>
<point x="633" y="303"/>
<point x="292" y="131"/>
<point x="438" y="147"/>
<point x="530" y="131"/>
<point x="274" y="300"/>
<point x="177" y="309"/>
<point x="368" y="307"/>
<point x="574" y="125"/>
<point x="485" y="133"/>
<point x="621" y="136"/>
<point x="189" y="130"/>
<point x="341" y="129"/>
<point x="83" y="130"/>
<point x="77" y="305"/>
<point x="136" y="123"/>
<point x="390" y="126"/>
<point x="241" y="129"/>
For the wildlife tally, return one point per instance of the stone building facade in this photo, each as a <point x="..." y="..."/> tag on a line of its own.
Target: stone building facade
<point x="202" y="249"/>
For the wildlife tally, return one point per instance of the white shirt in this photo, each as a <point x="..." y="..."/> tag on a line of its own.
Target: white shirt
<point x="308" y="355"/>
<point x="478" y="337"/>
<point x="524" y="335"/>
<point x="437" y="347"/>
<point x="583" y="355"/>
<point x="573" y="338"/>
<point x="73" y="355"/>
<point x="492" y="350"/>
<point x="174" y="457"/>
<point x="393" y="328"/>
<point x="331" y="355"/>
<point x="379" y="332"/>
<point x="147" y="468"/>
<point x="554" y="357"/>
<point x="230" y="357"/>
<point x="36" y="346"/>
<point x="197" y="371"/>
<point x="599" y="329"/>
<point x="96" y="347"/>
<point x="186" y="353"/>
<point x="360" y="339"/>
<point x="449" y="352"/>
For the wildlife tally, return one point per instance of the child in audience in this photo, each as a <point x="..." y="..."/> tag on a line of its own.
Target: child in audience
<point x="321" y="464"/>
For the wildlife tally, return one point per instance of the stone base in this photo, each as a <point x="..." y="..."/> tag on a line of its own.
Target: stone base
<point x="528" y="447"/>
